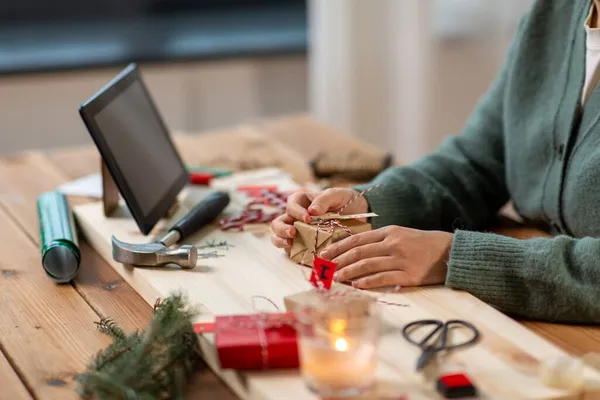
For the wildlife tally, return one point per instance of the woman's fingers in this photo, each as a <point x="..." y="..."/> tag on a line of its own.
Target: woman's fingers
<point x="280" y="242"/>
<point x="330" y="199"/>
<point x="298" y="212"/>
<point x="360" y="253"/>
<point x="364" y="267"/>
<point x="302" y="205"/>
<point x="297" y="205"/>
<point x="383" y="279"/>
<point x="283" y="226"/>
<point x="360" y="239"/>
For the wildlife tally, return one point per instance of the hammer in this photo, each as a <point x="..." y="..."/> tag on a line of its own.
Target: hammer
<point x="159" y="253"/>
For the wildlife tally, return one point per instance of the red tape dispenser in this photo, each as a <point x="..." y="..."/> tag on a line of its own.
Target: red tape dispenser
<point x="455" y="386"/>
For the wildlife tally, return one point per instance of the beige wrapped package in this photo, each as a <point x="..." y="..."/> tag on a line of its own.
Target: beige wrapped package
<point x="356" y="301"/>
<point x="304" y="242"/>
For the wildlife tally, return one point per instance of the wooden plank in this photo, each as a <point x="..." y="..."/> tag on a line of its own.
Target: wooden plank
<point x="503" y="364"/>
<point x="75" y="162"/>
<point x="47" y="330"/>
<point x="12" y="387"/>
<point x="577" y="340"/>
<point x="101" y="287"/>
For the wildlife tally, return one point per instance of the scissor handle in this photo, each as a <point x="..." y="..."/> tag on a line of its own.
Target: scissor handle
<point x="444" y="326"/>
<point x="425" y="322"/>
<point x="465" y="324"/>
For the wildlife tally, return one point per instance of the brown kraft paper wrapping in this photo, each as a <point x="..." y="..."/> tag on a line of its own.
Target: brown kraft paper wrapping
<point x="304" y="242"/>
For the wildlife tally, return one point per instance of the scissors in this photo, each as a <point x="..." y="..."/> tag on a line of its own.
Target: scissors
<point x="440" y="343"/>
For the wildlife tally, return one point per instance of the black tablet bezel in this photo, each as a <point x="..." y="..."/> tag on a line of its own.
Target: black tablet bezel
<point x="91" y="108"/>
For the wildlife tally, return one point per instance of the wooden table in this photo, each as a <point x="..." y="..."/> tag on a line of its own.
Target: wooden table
<point x="47" y="331"/>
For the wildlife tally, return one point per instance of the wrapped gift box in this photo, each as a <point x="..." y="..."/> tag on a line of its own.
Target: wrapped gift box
<point x="357" y="304"/>
<point x="254" y="342"/>
<point x="303" y="246"/>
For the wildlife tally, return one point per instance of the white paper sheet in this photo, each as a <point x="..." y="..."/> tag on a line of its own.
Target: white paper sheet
<point x="89" y="186"/>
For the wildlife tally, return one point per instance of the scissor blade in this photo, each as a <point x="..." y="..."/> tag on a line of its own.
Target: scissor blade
<point x="424" y="359"/>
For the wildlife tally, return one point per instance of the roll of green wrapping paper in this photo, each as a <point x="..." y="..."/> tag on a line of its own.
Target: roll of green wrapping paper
<point x="58" y="237"/>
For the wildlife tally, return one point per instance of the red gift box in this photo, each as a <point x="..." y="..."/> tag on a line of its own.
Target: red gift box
<point x="254" y="342"/>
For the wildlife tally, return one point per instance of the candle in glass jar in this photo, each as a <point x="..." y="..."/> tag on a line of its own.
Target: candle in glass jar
<point x="333" y="362"/>
<point x="337" y="342"/>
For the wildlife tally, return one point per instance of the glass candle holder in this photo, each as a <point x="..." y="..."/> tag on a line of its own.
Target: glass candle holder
<point x="338" y="339"/>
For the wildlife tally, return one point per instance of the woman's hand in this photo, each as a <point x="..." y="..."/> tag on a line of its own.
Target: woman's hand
<point x="301" y="206"/>
<point x="391" y="256"/>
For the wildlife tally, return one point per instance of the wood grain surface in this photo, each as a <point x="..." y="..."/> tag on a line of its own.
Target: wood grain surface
<point x="95" y="282"/>
<point x="12" y="387"/>
<point x="47" y="329"/>
<point x="43" y="359"/>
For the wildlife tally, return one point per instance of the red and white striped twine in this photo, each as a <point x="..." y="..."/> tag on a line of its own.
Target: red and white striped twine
<point x="360" y="195"/>
<point x="254" y="212"/>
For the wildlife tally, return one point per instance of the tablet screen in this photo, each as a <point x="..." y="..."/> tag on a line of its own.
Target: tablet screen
<point x="134" y="134"/>
<point x="136" y="147"/>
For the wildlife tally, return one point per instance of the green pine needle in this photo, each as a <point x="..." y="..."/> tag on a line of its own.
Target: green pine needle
<point x="108" y="326"/>
<point x="154" y="364"/>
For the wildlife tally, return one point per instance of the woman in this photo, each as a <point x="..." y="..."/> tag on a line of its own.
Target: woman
<point x="534" y="138"/>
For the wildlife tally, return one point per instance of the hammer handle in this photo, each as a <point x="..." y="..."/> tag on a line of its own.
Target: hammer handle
<point x="202" y="214"/>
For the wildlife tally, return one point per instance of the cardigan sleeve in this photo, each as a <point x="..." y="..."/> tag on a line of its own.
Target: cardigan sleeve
<point x="555" y="279"/>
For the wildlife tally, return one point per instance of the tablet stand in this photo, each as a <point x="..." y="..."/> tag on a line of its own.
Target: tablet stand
<point x="110" y="194"/>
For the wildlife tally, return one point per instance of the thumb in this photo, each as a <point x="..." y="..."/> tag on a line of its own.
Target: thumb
<point x="327" y="201"/>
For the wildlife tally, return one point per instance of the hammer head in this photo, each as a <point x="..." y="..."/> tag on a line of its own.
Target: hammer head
<point x="153" y="254"/>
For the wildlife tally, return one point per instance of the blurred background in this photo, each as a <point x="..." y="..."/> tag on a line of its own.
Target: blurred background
<point x="402" y="74"/>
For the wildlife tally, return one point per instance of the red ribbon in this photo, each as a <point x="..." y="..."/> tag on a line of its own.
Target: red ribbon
<point x="254" y="212"/>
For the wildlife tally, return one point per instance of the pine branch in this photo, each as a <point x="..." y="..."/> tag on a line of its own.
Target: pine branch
<point x="210" y="254"/>
<point x="104" y="358"/>
<point x="154" y="364"/>
<point x="212" y="244"/>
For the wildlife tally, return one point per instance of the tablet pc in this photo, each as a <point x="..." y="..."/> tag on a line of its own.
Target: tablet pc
<point x="135" y="144"/>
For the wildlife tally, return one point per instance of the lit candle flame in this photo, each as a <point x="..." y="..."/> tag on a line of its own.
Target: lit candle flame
<point x="341" y="344"/>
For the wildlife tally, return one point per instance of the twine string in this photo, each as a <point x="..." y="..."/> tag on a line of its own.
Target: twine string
<point x="370" y="189"/>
